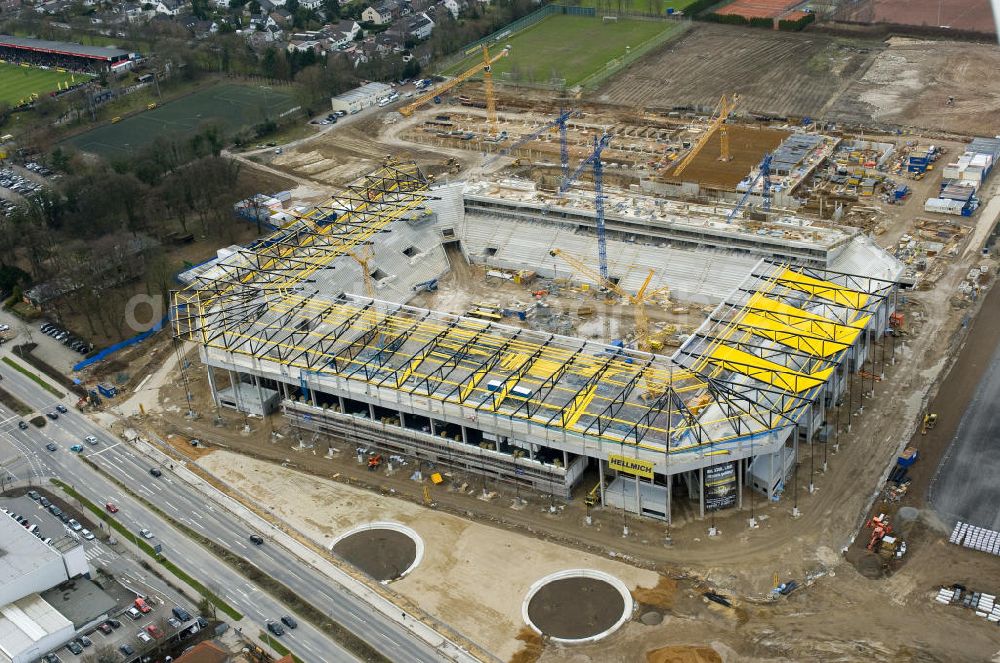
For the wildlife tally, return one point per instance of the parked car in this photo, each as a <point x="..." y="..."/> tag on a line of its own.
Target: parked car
<point x="104" y="628"/>
<point x="87" y="534"/>
<point x="55" y="511"/>
<point x="133" y="614"/>
<point x="75" y="648"/>
<point x="33" y="494"/>
<point x="84" y="641"/>
<point x="115" y="623"/>
<point x="44" y="501"/>
<point x="75" y="525"/>
<point x="181" y="614"/>
<point x="126" y="649"/>
<point x="154" y="631"/>
<point x="142" y="606"/>
<point x="142" y="635"/>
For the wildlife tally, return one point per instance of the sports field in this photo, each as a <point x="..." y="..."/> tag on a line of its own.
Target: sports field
<point x="569" y="47"/>
<point x="18" y="83"/>
<point x="232" y="106"/>
<point x="615" y="7"/>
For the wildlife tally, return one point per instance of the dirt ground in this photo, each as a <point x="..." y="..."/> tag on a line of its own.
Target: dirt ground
<point x="747" y="146"/>
<point x="453" y="582"/>
<point x="381" y="553"/>
<point x="910" y="81"/>
<point x="575" y="607"/>
<point x="776" y="73"/>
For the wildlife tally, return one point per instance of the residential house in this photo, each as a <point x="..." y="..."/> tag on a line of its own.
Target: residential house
<point x="171" y="7"/>
<point x="310" y="4"/>
<point x="341" y="35"/>
<point x="419" y="27"/>
<point x="306" y="41"/>
<point x="281" y="16"/>
<point x="453" y="7"/>
<point x="199" y="28"/>
<point x="385" y="11"/>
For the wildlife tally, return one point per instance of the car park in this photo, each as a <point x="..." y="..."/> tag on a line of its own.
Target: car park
<point x="289" y="622"/>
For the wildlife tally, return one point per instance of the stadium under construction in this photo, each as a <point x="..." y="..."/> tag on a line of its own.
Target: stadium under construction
<point x="304" y="321"/>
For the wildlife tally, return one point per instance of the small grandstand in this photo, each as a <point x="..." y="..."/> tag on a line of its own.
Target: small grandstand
<point x="63" y="55"/>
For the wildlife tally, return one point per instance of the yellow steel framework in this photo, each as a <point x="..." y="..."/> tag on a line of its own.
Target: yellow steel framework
<point x="748" y="370"/>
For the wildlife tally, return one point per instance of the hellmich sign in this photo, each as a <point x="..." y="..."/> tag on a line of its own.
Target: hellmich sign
<point x="634" y="466"/>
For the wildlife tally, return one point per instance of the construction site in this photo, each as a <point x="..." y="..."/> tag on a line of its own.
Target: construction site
<point x="704" y="342"/>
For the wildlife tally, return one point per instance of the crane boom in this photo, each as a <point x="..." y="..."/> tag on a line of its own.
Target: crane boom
<point x="765" y="174"/>
<point x="485" y="66"/>
<point x="722" y="112"/>
<point x="559" y="121"/>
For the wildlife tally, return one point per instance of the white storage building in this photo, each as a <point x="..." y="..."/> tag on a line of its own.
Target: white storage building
<point x="360" y="98"/>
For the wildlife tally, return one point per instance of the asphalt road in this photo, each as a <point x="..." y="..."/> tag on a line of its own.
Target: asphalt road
<point x="23" y="454"/>
<point x="966" y="487"/>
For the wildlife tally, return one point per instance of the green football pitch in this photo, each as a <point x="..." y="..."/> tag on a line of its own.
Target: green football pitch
<point x="231" y="106"/>
<point x="18" y="83"/>
<point x="568" y="47"/>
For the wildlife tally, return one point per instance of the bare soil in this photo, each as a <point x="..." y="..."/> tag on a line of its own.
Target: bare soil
<point x="774" y="72"/>
<point x="970" y="15"/>
<point x="747" y="146"/>
<point x="574" y="608"/>
<point x="381" y="553"/>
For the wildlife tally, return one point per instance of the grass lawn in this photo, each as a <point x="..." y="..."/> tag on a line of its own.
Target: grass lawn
<point x="570" y="47"/>
<point x="17" y="83"/>
<point x="612" y="7"/>
<point x="232" y="106"/>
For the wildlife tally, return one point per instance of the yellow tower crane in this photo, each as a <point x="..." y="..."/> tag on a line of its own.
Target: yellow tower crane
<point x="486" y="66"/>
<point x="722" y="112"/>
<point x="636" y="301"/>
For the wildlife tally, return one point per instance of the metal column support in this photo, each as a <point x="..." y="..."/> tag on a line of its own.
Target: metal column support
<point x="212" y="386"/>
<point x="701" y="492"/>
<point x="600" y="477"/>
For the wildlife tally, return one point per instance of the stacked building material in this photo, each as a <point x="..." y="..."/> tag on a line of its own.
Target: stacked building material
<point x="977" y="538"/>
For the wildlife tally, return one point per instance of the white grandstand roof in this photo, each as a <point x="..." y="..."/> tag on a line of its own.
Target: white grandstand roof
<point x="21" y="553"/>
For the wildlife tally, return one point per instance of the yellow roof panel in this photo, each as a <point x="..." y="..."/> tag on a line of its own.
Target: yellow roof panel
<point x="828" y="290"/>
<point x="767" y="371"/>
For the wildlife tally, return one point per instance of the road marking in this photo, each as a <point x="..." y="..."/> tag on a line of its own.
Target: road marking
<point x="98" y="453"/>
<point x="170" y="505"/>
<point x="240" y="544"/>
